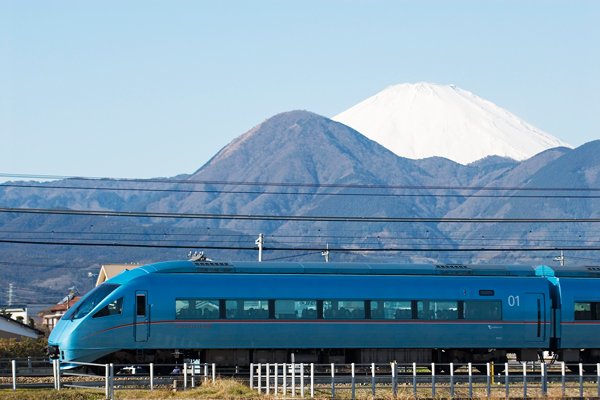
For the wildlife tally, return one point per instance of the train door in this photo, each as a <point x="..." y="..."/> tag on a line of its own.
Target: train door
<point x="535" y="328"/>
<point x="142" y="316"/>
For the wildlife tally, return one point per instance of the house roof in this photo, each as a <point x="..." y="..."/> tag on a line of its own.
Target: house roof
<point x="13" y="326"/>
<point x="108" y="271"/>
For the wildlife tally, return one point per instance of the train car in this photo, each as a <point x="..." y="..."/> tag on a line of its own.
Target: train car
<point x="577" y="314"/>
<point x="241" y="312"/>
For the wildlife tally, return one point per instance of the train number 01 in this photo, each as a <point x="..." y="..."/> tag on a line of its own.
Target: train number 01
<point x="513" y="301"/>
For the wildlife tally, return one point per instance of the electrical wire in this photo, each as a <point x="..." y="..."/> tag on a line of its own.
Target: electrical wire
<point x="303" y="218"/>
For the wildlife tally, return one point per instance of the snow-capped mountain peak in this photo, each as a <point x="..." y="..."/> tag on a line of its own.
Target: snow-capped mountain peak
<point x="424" y="120"/>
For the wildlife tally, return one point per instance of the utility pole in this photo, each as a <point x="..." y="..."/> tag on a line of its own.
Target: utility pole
<point x="259" y="242"/>
<point x="560" y="258"/>
<point x="10" y="294"/>
<point x="326" y="253"/>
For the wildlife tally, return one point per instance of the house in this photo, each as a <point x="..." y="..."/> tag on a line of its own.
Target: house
<point x="108" y="271"/>
<point x="17" y="311"/>
<point x="13" y="329"/>
<point x="52" y="315"/>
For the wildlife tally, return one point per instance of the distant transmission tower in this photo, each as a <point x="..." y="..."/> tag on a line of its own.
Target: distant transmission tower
<point x="10" y="294"/>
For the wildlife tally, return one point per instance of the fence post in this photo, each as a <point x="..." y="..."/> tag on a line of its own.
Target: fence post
<point x="312" y="380"/>
<point x="598" y="377"/>
<point x="544" y="379"/>
<point x="268" y="376"/>
<point x="394" y="378"/>
<point x="112" y="381"/>
<point x="259" y="378"/>
<point x="332" y="380"/>
<point x="563" y="368"/>
<point x="353" y="382"/>
<point x="184" y="376"/>
<point x="373" y="378"/>
<point x="107" y="380"/>
<point x="580" y="379"/>
<point x="415" y="379"/>
<point x="470" y="380"/>
<point x="151" y="377"/>
<point x="251" y="375"/>
<point x="433" y="380"/>
<point x="525" y="379"/>
<point x="293" y="379"/>
<point x="14" y="374"/>
<point x="206" y="372"/>
<point x="214" y="372"/>
<point x="29" y="366"/>
<point x="276" y="379"/>
<point x="284" y="378"/>
<point x="302" y="379"/>
<point x="54" y="372"/>
<point x="506" y="379"/>
<point x="193" y="374"/>
<point x="451" y="379"/>
<point x="489" y="380"/>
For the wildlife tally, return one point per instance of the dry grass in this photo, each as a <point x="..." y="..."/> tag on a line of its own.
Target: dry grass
<point x="235" y="390"/>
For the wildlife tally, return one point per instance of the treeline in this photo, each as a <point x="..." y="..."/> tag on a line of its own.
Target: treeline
<point x="10" y="348"/>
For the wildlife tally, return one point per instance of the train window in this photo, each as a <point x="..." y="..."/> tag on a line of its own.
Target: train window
<point x="440" y="310"/>
<point x="587" y="310"/>
<point x="385" y="309"/>
<point x="343" y="309"/>
<point x="486" y="292"/>
<point x="113" y="308"/>
<point x="247" y="309"/>
<point x="91" y="300"/>
<point x="481" y="310"/>
<point x="196" y="309"/>
<point x="295" y="309"/>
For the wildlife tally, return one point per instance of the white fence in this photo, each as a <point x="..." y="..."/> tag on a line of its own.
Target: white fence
<point x="296" y="379"/>
<point x="424" y="379"/>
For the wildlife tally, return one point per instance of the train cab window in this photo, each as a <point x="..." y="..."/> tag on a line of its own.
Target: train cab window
<point x="113" y="308"/>
<point x="84" y="306"/>
<point x="439" y="310"/>
<point x="381" y="309"/>
<point x="343" y="309"/>
<point x="587" y="311"/>
<point x="482" y="310"/>
<point x="196" y="309"/>
<point x="247" y="309"/>
<point x="295" y="309"/>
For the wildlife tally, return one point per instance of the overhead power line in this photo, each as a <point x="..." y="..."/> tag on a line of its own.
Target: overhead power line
<point x="255" y="217"/>
<point x="291" y="184"/>
<point x="260" y="193"/>
<point x="389" y="249"/>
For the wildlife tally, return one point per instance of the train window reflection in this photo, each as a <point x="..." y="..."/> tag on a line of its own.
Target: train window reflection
<point x="196" y="309"/>
<point x="247" y="309"/>
<point x="482" y="310"/>
<point x="113" y="308"/>
<point x="587" y="310"/>
<point x="439" y="310"/>
<point x="343" y="309"/>
<point x="391" y="309"/>
<point x="295" y="309"/>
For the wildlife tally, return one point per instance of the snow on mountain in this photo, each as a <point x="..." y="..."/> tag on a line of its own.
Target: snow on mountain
<point x="424" y="120"/>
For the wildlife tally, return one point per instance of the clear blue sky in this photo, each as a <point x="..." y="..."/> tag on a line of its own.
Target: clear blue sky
<point x="155" y="88"/>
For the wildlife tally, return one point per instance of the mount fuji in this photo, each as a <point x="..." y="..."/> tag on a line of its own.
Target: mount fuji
<point x="425" y="120"/>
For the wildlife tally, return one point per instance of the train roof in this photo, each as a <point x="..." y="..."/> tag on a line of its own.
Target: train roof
<point x="320" y="268"/>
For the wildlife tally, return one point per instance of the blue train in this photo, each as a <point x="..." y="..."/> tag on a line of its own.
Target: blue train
<point x="236" y="313"/>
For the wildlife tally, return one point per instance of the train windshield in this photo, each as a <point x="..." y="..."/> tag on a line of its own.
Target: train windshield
<point x="89" y="302"/>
